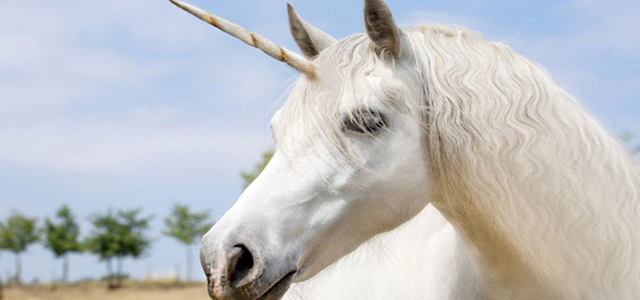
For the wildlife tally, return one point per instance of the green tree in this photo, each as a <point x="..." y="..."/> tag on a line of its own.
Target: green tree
<point x="134" y="240"/>
<point x="249" y="177"/>
<point x="187" y="228"/>
<point x="627" y="138"/>
<point x="16" y="235"/>
<point x="104" y="240"/>
<point x="62" y="237"/>
<point x="116" y="236"/>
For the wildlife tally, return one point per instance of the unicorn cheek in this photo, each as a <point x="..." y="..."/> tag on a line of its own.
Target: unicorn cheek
<point x="326" y="212"/>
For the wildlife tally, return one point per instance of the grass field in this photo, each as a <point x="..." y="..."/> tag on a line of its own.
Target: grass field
<point x="99" y="291"/>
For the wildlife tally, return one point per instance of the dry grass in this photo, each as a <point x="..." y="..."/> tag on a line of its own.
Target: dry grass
<point x="99" y="291"/>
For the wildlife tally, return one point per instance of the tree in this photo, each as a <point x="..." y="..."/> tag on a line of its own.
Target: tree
<point x="62" y="237"/>
<point x="116" y="236"/>
<point x="249" y="177"/>
<point x="104" y="240"/>
<point x="16" y="235"/>
<point x="187" y="227"/>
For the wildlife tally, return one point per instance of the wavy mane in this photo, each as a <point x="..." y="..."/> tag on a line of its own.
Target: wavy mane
<point x="499" y="130"/>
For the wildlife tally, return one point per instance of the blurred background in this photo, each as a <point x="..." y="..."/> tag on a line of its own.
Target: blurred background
<point x="110" y="106"/>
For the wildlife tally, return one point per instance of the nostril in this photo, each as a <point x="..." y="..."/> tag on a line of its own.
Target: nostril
<point x="241" y="264"/>
<point x="204" y="265"/>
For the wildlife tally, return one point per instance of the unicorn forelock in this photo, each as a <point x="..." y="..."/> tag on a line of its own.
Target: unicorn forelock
<point x="320" y="105"/>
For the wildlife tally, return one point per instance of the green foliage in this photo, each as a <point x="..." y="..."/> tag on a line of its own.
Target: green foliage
<point x="627" y="137"/>
<point x="2" y="243"/>
<point x="1" y="294"/>
<point x="104" y="240"/>
<point x="249" y="177"/>
<point x="118" y="234"/>
<point x="134" y="241"/>
<point x="62" y="237"/>
<point x="18" y="233"/>
<point x="185" y="226"/>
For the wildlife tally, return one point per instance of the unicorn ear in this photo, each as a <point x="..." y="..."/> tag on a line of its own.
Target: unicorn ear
<point x="381" y="28"/>
<point x="310" y="39"/>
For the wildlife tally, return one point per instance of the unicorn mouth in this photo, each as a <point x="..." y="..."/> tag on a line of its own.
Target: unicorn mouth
<point x="278" y="289"/>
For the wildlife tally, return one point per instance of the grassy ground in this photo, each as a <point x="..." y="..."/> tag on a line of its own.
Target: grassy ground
<point x="99" y="291"/>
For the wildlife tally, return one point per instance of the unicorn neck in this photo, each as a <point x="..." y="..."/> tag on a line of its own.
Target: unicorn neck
<point x="424" y="258"/>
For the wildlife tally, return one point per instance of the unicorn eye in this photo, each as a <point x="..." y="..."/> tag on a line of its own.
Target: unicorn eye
<point x="365" y="122"/>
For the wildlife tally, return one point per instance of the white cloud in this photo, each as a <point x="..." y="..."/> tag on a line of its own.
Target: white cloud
<point x="602" y="27"/>
<point x="57" y="57"/>
<point x="615" y="29"/>
<point x="578" y="58"/>
<point x="131" y="150"/>
<point x="68" y="74"/>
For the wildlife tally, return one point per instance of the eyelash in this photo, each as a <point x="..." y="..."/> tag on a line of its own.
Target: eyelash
<point x="365" y="122"/>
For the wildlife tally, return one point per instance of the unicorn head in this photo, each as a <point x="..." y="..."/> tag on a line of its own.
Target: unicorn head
<point x="349" y="162"/>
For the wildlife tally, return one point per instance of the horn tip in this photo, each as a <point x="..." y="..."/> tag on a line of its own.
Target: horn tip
<point x="178" y="3"/>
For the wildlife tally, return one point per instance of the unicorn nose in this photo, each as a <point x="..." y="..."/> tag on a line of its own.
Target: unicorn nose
<point x="240" y="265"/>
<point x="236" y="272"/>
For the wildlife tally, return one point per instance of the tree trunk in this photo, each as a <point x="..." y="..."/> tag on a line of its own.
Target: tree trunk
<point x="1" y="297"/>
<point x="119" y="275"/>
<point x="65" y="268"/>
<point x="18" y="269"/>
<point x="188" y="277"/>
<point x="109" y="273"/>
<point x="54" y="280"/>
<point x="177" y="272"/>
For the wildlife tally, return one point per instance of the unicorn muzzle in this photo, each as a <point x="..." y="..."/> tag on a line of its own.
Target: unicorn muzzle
<point x="238" y="271"/>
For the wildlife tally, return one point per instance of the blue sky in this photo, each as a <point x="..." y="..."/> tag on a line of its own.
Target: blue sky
<point x="129" y="104"/>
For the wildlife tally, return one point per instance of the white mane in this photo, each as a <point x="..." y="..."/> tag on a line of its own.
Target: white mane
<point x="500" y="131"/>
<point x="343" y="64"/>
<point x="511" y="153"/>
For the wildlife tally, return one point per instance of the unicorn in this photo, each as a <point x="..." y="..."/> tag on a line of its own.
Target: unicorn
<point x="379" y="126"/>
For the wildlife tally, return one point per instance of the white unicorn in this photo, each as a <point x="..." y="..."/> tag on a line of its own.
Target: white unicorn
<point x="545" y="204"/>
